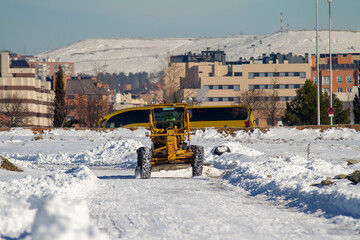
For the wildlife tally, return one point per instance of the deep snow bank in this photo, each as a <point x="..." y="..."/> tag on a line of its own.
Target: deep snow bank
<point x="47" y="206"/>
<point x="290" y="178"/>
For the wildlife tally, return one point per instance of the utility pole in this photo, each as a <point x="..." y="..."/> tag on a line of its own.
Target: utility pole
<point x="330" y="61"/>
<point x="317" y="64"/>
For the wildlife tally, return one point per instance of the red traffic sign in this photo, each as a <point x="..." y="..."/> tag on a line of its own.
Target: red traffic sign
<point x="331" y="110"/>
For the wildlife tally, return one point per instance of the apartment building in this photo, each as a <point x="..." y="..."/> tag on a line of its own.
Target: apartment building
<point x="216" y="82"/>
<point x="345" y="72"/>
<point x="47" y="68"/>
<point x="19" y="81"/>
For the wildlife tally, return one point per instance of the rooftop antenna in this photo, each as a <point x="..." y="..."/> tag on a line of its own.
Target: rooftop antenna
<point x="281" y="22"/>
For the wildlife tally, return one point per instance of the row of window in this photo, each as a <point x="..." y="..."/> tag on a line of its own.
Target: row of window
<point x="339" y="79"/>
<point x="232" y="99"/>
<point x="220" y="99"/>
<point x="253" y="75"/>
<point x="275" y="86"/>
<point x="223" y="87"/>
<point x="339" y="90"/>
<point x="284" y="98"/>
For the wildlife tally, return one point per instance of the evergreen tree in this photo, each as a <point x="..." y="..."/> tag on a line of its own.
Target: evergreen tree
<point x="302" y="110"/>
<point x="60" y="107"/>
<point x="356" y="105"/>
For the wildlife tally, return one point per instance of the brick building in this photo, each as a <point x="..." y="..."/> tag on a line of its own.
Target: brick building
<point x="345" y="72"/>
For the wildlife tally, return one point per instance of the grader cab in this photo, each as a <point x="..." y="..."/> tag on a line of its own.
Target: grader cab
<point x="170" y="136"/>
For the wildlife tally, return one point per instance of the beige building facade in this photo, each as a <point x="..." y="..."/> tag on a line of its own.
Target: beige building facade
<point x="18" y="80"/>
<point x="215" y="83"/>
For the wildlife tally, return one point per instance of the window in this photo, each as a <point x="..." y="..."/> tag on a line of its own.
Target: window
<point x="219" y="114"/>
<point x="210" y="74"/>
<point x="326" y="80"/>
<point x="125" y="118"/>
<point x="348" y="79"/>
<point x="269" y="122"/>
<point x="326" y="90"/>
<point x="70" y="96"/>
<point x="315" y="79"/>
<point x="348" y="89"/>
<point x="339" y="90"/>
<point x="303" y="75"/>
<point x="236" y="87"/>
<point x="238" y="74"/>
<point x="339" y="79"/>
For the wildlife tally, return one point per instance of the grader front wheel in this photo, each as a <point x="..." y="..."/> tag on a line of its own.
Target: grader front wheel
<point x="197" y="165"/>
<point x="144" y="162"/>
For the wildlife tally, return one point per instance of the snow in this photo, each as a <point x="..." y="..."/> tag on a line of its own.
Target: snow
<point x="80" y="184"/>
<point x="151" y="55"/>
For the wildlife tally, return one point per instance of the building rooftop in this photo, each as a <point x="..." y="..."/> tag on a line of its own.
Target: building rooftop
<point x="19" y="64"/>
<point x="84" y="87"/>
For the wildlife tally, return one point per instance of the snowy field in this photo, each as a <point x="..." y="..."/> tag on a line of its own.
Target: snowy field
<point x="81" y="185"/>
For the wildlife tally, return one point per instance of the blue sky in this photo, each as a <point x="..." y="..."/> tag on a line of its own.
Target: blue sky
<point x="35" y="26"/>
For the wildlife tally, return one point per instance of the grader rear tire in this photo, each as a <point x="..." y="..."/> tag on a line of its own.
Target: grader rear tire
<point x="144" y="162"/>
<point x="197" y="165"/>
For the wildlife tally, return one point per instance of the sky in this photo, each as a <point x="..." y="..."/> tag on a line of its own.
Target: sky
<point x="35" y="26"/>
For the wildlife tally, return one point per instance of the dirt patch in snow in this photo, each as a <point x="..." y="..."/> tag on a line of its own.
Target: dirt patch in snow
<point x="7" y="165"/>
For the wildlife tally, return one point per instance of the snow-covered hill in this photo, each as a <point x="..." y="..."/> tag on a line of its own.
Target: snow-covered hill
<point x="150" y="55"/>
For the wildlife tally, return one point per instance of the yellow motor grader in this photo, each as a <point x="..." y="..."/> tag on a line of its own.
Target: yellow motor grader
<point x="170" y="136"/>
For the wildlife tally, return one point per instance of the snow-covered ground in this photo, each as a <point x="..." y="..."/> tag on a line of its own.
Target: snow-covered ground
<point x="81" y="185"/>
<point x="151" y="55"/>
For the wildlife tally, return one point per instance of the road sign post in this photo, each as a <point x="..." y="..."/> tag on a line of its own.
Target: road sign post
<point x="331" y="112"/>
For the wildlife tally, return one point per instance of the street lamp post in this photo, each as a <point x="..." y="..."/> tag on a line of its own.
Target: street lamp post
<point x="330" y="61"/>
<point x="317" y="65"/>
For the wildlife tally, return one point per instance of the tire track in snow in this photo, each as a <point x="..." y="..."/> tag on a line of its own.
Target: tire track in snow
<point x="195" y="208"/>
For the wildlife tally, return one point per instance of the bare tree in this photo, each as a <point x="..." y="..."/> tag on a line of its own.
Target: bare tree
<point x="253" y="98"/>
<point x="171" y="82"/>
<point x="273" y="107"/>
<point x="97" y="106"/>
<point x="15" y="111"/>
<point x="80" y="108"/>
